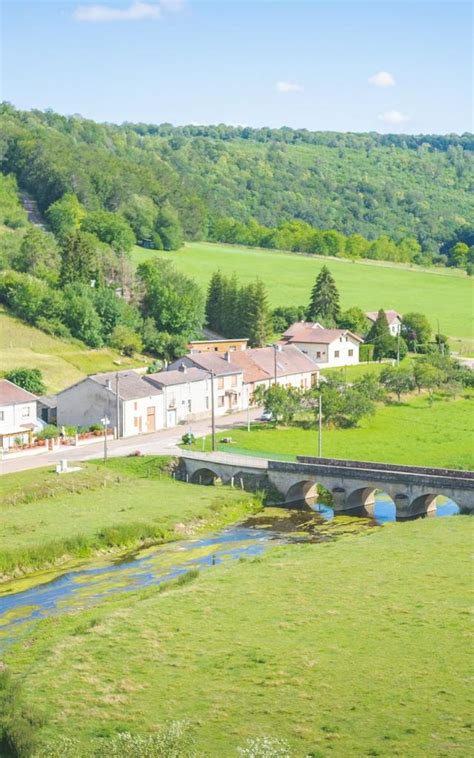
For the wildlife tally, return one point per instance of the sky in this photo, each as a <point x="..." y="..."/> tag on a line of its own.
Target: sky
<point x="373" y="65"/>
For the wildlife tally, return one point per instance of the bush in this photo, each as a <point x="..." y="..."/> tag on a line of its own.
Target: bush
<point x="126" y="340"/>
<point x="96" y="428"/>
<point x="366" y="353"/>
<point x="50" y="432"/>
<point x="30" y="379"/>
<point x="173" y="741"/>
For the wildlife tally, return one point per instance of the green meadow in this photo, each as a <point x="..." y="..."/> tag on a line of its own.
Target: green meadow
<point x="61" y="362"/>
<point x="410" y="432"/>
<point x="442" y="294"/>
<point x="358" y="647"/>
<point x="124" y="504"/>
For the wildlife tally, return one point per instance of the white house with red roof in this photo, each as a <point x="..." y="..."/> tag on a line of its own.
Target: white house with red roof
<point x="329" y="348"/>
<point x="393" y="318"/>
<point x="18" y="415"/>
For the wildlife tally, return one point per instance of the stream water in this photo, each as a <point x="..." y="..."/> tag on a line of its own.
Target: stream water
<point x="25" y="601"/>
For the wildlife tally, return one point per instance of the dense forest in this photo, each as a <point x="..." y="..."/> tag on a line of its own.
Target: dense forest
<point x="101" y="189"/>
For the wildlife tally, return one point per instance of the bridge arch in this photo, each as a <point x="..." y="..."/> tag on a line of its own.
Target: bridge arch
<point x="432" y="504"/>
<point x="206" y="476"/>
<point x="372" y="501"/>
<point x="304" y="493"/>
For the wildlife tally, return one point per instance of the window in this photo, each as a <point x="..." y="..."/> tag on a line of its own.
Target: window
<point x="207" y="403"/>
<point x="220" y="401"/>
<point x="336" y="353"/>
<point x="318" y="354"/>
<point x="2" y="415"/>
<point x="189" y="406"/>
<point x="220" y="383"/>
<point x="350" y="352"/>
<point x="135" y="406"/>
<point x="135" y="422"/>
<point x="233" y="381"/>
<point x="25" y="412"/>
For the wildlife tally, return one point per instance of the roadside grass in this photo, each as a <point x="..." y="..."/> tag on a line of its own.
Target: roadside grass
<point x="410" y="432"/>
<point x="47" y="519"/>
<point x="357" y="647"/>
<point x="442" y="294"/>
<point x="62" y="363"/>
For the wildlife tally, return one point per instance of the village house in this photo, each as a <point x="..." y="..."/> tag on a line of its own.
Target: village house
<point x="132" y="404"/>
<point x="18" y="415"/>
<point x="186" y="393"/>
<point x="393" y="318"/>
<point x="217" y="345"/>
<point x="228" y="378"/>
<point x="329" y="348"/>
<point x="284" y="364"/>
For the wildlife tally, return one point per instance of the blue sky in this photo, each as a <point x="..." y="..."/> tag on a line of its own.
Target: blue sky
<point x="379" y="65"/>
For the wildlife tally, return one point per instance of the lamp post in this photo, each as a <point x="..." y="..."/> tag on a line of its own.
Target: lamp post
<point x="213" y="414"/>
<point x="320" y="420"/>
<point x="105" y="421"/>
<point x="275" y="348"/>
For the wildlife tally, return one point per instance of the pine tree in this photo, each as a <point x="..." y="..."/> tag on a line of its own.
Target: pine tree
<point x="230" y="307"/>
<point x="214" y="302"/>
<point x="379" y="336"/>
<point x="324" y="304"/>
<point x="78" y="259"/>
<point x="258" y="316"/>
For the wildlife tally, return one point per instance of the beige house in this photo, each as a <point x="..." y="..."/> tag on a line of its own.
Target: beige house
<point x="17" y="415"/>
<point x="329" y="348"/>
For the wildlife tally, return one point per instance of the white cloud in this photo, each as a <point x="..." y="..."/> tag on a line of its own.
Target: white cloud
<point x="136" y="11"/>
<point x="393" y="117"/>
<point x="288" y="87"/>
<point x="382" y="79"/>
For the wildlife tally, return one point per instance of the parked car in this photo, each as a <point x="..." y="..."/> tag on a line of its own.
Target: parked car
<point x="266" y="416"/>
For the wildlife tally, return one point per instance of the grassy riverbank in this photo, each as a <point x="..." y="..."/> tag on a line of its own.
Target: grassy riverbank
<point x="48" y="519"/>
<point x="410" y="432"/>
<point x="358" y="647"/>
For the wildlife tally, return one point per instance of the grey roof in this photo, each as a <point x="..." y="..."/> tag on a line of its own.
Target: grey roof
<point x="212" y="362"/>
<point x="50" y="401"/>
<point x="132" y="386"/>
<point x="175" y="376"/>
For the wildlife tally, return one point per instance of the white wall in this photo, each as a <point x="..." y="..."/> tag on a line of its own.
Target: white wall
<point x="12" y="418"/>
<point x="326" y="355"/>
<point x="138" y="420"/>
<point x="185" y="402"/>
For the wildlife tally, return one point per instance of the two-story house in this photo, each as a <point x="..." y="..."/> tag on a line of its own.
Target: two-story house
<point x="329" y="348"/>
<point x="228" y="378"/>
<point x="186" y="393"/>
<point x="18" y="415"/>
<point x="394" y="321"/>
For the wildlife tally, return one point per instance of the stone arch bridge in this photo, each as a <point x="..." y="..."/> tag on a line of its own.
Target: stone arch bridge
<point x="352" y="484"/>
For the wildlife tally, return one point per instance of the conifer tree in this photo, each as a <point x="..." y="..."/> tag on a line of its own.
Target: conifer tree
<point x="214" y="302"/>
<point x="257" y="314"/>
<point x="324" y="303"/>
<point x="230" y="307"/>
<point x="379" y="336"/>
<point x="78" y="260"/>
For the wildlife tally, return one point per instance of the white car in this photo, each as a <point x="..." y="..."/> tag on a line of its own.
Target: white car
<point x="266" y="416"/>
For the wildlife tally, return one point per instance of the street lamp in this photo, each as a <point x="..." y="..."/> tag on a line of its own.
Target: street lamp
<point x="213" y="414"/>
<point x="320" y="419"/>
<point x="105" y="422"/>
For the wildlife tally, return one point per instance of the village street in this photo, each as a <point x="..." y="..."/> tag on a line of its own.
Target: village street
<point x="163" y="442"/>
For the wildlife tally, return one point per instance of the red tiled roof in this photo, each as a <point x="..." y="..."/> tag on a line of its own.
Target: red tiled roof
<point x="258" y="364"/>
<point x="305" y="331"/>
<point x="391" y="316"/>
<point x="11" y="394"/>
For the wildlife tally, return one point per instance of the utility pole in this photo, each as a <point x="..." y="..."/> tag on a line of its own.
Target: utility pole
<point x="320" y="419"/>
<point x="248" y="408"/>
<point x="213" y="415"/>
<point x="275" y="364"/>
<point x="117" y="404"/>
<point x="398" y="347"/>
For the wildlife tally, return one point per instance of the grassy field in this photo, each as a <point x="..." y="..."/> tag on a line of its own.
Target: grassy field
<point x="442" y="294"/>
<point x="61" y="362"/>
<point x="410" y="432"/>
<point x="47" y="519"/>
<point x="354" y="648"/>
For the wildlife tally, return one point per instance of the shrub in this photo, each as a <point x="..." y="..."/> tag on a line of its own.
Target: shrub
<point x="95" y="428"/>
<point x="50" y="432"/>
<point x="172" y="741"/>
<point x="124" y="339"/>
<point x="30" y="379"/>
<point x="366" y="353"/>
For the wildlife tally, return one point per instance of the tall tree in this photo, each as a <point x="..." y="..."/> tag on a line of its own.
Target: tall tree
<point x="78" y="263"/>
<point x="379" y="336"/>
<point x="258" y="319"/>
<point x="324" y="303"/>
<point x="214" y="302"/>
<point x="38" y="255"/>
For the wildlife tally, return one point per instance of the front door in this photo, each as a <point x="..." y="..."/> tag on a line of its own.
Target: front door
<point x="171" y="418"/>
<point x="150" y="419"/>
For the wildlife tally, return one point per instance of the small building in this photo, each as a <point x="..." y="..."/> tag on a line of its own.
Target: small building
<point x="393" y="318"/>
<point x="186" y="393"/>
<point x="47" y="408"/>
<point x="18" y="415"/>
<point x="329" y="348"/>
<point x="228" y="378"/>
<point x="132" y="404"/>
<point x="217" y="345"/>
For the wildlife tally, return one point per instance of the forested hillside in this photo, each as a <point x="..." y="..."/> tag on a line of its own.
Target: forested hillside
<point x="389" y="197"/>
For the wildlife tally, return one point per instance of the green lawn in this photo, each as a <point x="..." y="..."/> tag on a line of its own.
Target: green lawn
<point x="61" y="362"/>
<point x="48" y="518"/>
<point x="410" y="433"/>
<point x="442" y="294"/>
<point x="354" y="648"/>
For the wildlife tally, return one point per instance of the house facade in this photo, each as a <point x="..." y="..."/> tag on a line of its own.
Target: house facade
<point x="18" y="415"/>
<point x="393" y="318"/>
<point x="228" y="378"/>
<point x="217" y="345"/>
<point x="132" y="405"/>
<point x="186" y="393"/>
<point x="328" y="348"/>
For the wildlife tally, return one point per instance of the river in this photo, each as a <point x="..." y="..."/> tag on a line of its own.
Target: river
<point x="24" y="602"/>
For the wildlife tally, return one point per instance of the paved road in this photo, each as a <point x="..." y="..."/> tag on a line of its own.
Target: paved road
<point x="164" y="442"/>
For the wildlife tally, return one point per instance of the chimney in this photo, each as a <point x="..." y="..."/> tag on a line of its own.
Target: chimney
<point x="227" y="356"/>
<point x="108" y="384"/>
<point x="182" y="368"/>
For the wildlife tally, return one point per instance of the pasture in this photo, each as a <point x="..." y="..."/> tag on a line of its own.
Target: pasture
<point x="442" y="294"/>
<point x="358" y="647"/>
